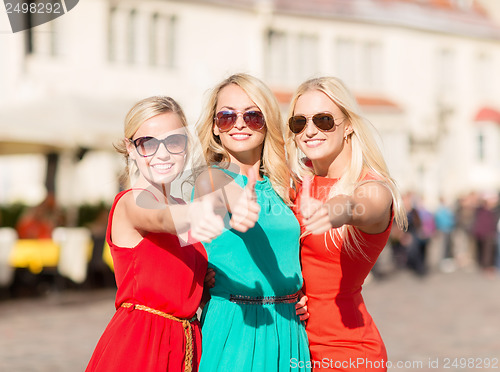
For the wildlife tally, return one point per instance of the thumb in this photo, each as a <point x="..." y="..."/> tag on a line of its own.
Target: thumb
<point x="305" y="192"/>
<point x="252" y="180"/>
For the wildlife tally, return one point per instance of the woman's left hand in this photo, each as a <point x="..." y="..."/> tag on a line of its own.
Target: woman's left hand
<point x="301" y="307"/>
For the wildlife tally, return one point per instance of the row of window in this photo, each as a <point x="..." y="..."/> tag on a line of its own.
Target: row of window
<point x="142" y="38"/>
<point x="361" y="64"/>
<point x="292" y="57"/>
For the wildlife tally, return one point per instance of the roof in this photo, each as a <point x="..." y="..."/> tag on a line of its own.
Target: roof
<point x="444" y="16"/>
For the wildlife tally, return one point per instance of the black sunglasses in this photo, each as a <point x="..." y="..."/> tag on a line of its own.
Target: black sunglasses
<point x="147" y="146"/>
<point x="226" y="119"/>
<point x="324" y="121"/>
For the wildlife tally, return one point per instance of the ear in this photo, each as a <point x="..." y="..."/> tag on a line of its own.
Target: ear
<point x="130" y="148"/>
<point x="348" y="129"/>
<point x="215" y="129"/>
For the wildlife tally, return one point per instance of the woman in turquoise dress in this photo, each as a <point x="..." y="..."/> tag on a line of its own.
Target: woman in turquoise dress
<point x="250" y="322"/>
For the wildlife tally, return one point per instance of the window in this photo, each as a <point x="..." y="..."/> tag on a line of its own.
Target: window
<point x="132" y="36"/>
<point x="346" y="60"/>
<point x="445" y="71"/>
<point x="117" y="36"/>
<point x="276" y="64"/>
<point x="480" y="147"/>
<point x="162" y="37"/>
<point x="307" y="56"/>
<point x="371" y="64"/>
<point x="484" y="73"/>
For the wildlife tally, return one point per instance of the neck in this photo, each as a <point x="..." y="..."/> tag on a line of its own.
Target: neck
<point x="246" y="164"/>
<point x="161" y="191"/>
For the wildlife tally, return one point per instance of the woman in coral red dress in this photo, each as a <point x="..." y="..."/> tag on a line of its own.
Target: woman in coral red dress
<point x="346" y="206"/>
<point x="159" y="269"/>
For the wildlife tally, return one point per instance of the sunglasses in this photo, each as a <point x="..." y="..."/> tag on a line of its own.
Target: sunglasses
<point x="147" y="146"/>
<point x="226" y="119"/>
<point x="324" y="121"/>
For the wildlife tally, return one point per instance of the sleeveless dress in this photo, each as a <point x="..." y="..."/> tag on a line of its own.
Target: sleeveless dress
<point x="163" y="275"/>
<point x="340" y="329"/>
<point x="242" y="336"/>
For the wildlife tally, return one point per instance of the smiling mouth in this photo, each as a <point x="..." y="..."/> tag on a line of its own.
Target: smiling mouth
<point x="240" y="136"/>
<point x="314" y="143"/>
<point x="162" y="167"/>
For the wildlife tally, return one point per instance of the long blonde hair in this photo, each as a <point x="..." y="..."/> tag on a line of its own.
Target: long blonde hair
<point x="273" y="152"/>
<point x="366" y="155"/>
<point x="137" y="115"/>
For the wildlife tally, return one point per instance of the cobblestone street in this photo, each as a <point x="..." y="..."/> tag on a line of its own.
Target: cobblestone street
<point x="422" y="321"/>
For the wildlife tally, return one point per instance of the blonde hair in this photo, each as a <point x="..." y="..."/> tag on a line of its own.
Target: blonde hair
<point x="137" y="115"/>
<point x="366" y="155"/>
<point x="273" y="152"/>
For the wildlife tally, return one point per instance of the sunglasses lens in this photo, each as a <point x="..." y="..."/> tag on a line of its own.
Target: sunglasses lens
<point x="323" y="121"/>
<point x="176" y="143"/>
<point x="297" y="123"/>
<point x="254" y="120"/>
<point x="225" y="120"/>
<point x="146" y="146"/>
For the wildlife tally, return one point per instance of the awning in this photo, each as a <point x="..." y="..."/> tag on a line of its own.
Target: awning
<point x="58" y="123"/>
<point x="488" y="114"/>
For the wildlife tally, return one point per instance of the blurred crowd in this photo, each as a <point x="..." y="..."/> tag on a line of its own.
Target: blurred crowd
<point x="40" y="223"/>
<point x="458" y="234"/>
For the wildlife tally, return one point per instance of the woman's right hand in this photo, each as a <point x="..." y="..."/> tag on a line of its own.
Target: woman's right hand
<point x="206" y="225"/>
<point x="245" y="212"/>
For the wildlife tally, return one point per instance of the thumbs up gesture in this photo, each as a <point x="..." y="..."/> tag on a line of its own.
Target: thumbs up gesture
<point x="205" y="223"/>
<point x="315" y="213"/>
<point x="245" y="212"/>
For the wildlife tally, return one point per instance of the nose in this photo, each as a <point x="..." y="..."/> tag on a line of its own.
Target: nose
<point x="240" y="123"/>
<point x="311" y="129"/>
<point x="162" y="151"/>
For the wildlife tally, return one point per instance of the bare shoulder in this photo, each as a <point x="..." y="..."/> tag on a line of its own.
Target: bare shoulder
<point x="375" y="192"/>
<point x="210" y="180"/>
<point x="123" y="232"/>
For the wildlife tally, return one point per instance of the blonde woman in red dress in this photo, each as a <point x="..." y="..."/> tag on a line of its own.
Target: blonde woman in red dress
<point x="346" y="207"/>
<point x="159" y="268"/>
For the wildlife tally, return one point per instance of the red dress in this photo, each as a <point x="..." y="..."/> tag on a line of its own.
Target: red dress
<point x="163" y="275"/>
<point x="340" y="329"/>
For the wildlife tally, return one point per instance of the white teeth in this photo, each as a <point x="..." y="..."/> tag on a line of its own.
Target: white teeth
<point x="314" y="142"/>
<point x="162" y="166"/>
<point x="240" y="136"/>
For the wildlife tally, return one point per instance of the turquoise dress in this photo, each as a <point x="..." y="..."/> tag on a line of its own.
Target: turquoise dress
<point x="242" y="336"/>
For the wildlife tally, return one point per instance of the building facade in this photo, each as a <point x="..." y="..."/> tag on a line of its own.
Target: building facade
<point x="424" y="71"/>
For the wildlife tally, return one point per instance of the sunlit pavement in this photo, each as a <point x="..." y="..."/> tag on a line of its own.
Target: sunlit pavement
<point x="428" y="324"/>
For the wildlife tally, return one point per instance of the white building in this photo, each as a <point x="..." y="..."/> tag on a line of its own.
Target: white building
<point x="425" y="72"/>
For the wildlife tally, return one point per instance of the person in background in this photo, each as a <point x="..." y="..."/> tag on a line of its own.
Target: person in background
<point x="39" y="222"/>
<point x="445" y="223"/>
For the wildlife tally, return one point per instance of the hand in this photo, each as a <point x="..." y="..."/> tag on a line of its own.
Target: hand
<point x="301" y="307"/>
<point x="205" y="223"/>
<point x="208" y="283"/>
<point x="245" y="212"/>
<point x="315" y="213"/>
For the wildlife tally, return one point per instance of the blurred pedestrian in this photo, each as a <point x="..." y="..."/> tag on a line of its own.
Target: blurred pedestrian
<point x="485" y="233"/>
<point x="39" y="221"/>
<point x="346" y="205"/>
<point x="445" y="222"/>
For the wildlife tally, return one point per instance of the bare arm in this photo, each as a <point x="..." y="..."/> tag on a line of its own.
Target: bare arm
<point x="369" y="209"/>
